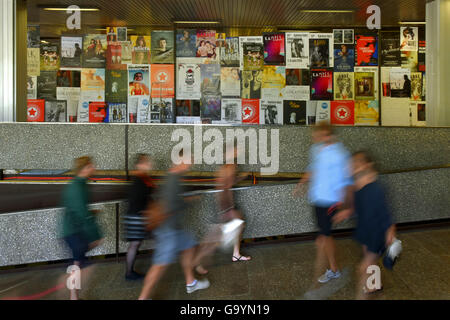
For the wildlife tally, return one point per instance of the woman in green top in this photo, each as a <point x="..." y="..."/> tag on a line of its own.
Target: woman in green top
<point x="79" y="226"/>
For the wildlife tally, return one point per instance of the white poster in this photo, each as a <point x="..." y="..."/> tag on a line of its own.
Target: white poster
<point x="231" y="111"/>
<point x="230" y="82"/>
<point x="409" y="38"/>
<point x="395" y="112"/>
<point x="32" y="87"/>
<point x="189" y="120"/>
<point x="254" y="39"/>
<point x="271" y="112"/>
<point x="296" y="93"/>
<point x="311" y="113"/>
<point x="376" y="79"/>
<point x="297" y="50"/>
<point x="83" y="110"/>
<point x="143" y="109"/>
<point x="400" y="83"/>
<point x="189" y="82"/>
<point x="322" y="110"/>
<point x="68" y="93"/>
<point x="72" y="110"/>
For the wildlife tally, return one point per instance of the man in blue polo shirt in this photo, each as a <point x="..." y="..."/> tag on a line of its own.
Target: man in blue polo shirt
<point x="330" y="190"/>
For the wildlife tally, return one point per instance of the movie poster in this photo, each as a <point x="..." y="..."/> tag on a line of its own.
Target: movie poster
<point x="400" y="83"/>
<point x="186" y="43"/>
<point x="116" y="87"/>
<point x="206" y="44"/>
<point x="83" y="110"/>
<point x="162" y="81"/>
<point x="342" y="113"/>
<point x="321" y="84"/>
<point x="311" y="113"/>
<point x="390" y="49"/>
<point x="111" y="34"/>
<point x="31" y="87"/>
<point x="68" y="93"/>
<point x="321" y="50"/>
<point x="344" y="86"/>
<point x="296" y="93"/>
<point x="271" y="112"/>
<point x="220" y="45"/>
<point x="55" y="111"/>
<point x="250" y="111"/>
<point x="251" y="40"/>
<point x="72" y="110"/>
<point x="367" y="113"/>
<point x="162" y="47"/>
<point x="50" y="58"/>
<point x="127" y="52"/>
<point x="210" y="107"/>
<point x="33" y="62"/>
<point x="322" y="110"/>
<point x="140" y="53"/>
<point x="273" y="82"/>
<point x="344" y="57"/>
<point x="230" y="82"/>
<point x="385" y="82"/>
<point x="71" y="51"/>
<point x="46" y="85"/>
<point x="98" y="112"/>
<point x="251" y="84"/>
<point x="117" y="112"/>
<point x="122" y="34"/>
<point x="294" y="112"/>
<point x="349" y="36"/>
<point x="297" y="50"/>
<point x="231" y="111"/>
<point x="33" y="36"/>
<point x="187" y="108"/>
<point x="229" y="56"/>
<point x="365" y="86"/>
<point x="366" y="50"/>
<point x="138" y="80"/>
<point x="274" y="51"/>
<point x="141" y="109"/>
<point x="210" y="77"/>
<point x="189" y="81"/>
<point x="409" y="38"/>
<point x="298" y="77"/>
<point x="418" y="114"/>
<point x="93" y="84"/>
<point x="374" y="70"/>
<point x="162" y="110"/>
<point x="253" y="56"/>
<point x="338" y="36"/>
<point x="416" y="86"/>
<point x="68" y="78"/>
<point x="410" y="60"/>
<point x="421" y="55"/>
<point x="114" y="56"/>
<point x="35" y="110"/>
<point x="94" y="51"/>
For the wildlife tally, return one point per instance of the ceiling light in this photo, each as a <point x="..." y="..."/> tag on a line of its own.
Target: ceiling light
<point x="196" y="22"/>
<point x="327" y="11"/>
<point x="65" y="9"/>
<point x="412" y="22"/>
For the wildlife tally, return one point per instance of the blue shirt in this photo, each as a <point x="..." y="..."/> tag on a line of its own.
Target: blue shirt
<point x="330" y="174"/>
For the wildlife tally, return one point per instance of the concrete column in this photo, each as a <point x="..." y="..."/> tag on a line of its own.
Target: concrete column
<point x="438" y="63"/>
<point x="7" y="63"/>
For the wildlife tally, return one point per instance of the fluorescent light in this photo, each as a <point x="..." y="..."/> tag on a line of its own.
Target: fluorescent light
<point x="196" y="22"/>
<point x="65" y="9"/>
<point x="412" y="22"/>
<point x="327" y="11"/>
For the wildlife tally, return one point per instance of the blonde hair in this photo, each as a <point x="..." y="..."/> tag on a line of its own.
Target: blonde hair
<point x="81" y="162"/>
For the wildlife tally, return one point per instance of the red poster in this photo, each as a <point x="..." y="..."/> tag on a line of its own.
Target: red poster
<point x="343" y="112"/>
<point x="35" y="110"/>
<point x="97" y="112"/>
<point x="250" y="111"/>
<point x="163" y="83"/>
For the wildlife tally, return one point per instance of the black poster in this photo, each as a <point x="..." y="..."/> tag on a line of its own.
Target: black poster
<point x="390" y="49"/>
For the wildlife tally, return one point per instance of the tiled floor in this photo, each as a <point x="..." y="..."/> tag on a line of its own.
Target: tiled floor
<point x="277" y="271"/>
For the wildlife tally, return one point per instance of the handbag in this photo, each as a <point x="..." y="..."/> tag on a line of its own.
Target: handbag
<point x="155" y="214"/>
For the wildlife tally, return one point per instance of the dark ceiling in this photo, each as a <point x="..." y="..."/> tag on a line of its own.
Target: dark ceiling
<point x="236" y="16"/>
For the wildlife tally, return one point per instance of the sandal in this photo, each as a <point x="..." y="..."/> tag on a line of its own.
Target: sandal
<point x="236" y="259"/>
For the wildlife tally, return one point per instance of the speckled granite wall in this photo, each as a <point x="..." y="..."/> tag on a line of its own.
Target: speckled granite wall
<point x="270" y="210"/>
<point x="54" y="146"/>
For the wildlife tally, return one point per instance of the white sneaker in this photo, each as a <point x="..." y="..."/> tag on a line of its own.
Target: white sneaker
<point x="328" y="275"/>
<point x="199" y="285"/>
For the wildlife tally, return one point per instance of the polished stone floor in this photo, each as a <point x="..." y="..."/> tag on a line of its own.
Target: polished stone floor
<point x="281" y="271"/>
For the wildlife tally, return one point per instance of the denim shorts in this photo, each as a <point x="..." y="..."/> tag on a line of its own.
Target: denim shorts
<point x="169" y="243"/>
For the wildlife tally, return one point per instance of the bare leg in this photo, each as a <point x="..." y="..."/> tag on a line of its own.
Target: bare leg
<point x="151" y="279"/>
<point x="321" y="258"/>
<point x="237" y="246"/>
<point x="369" y="259"/>
<point x="131" y="255"/>
<point x="187" y="259"/>
<point x="330" y="250"/>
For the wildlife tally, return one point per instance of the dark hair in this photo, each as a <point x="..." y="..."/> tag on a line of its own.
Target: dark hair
<point x="367" y="157"/>
<point x="140" y="157"/>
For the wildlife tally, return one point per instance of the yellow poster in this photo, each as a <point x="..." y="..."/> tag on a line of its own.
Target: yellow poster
<point x="273" y="81"/>
<point x="33" y="62"/>
<point x="367" y="113"/>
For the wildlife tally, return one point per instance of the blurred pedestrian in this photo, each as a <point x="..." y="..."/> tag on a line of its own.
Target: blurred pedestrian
<point x="139" y="195"/>
<point x="171" y="239"/>
<point x="375" y="230"/>
<point x="79" y="226"/>
<point x="330" y="190"/>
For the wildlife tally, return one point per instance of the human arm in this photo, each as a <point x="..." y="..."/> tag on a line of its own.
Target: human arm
<point x="304" y="179"/>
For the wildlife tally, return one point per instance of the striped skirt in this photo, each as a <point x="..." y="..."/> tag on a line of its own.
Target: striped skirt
<point x="133" y="226"/>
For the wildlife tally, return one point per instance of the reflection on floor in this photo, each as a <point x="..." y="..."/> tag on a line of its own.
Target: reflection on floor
<point x="277" y="271"/>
